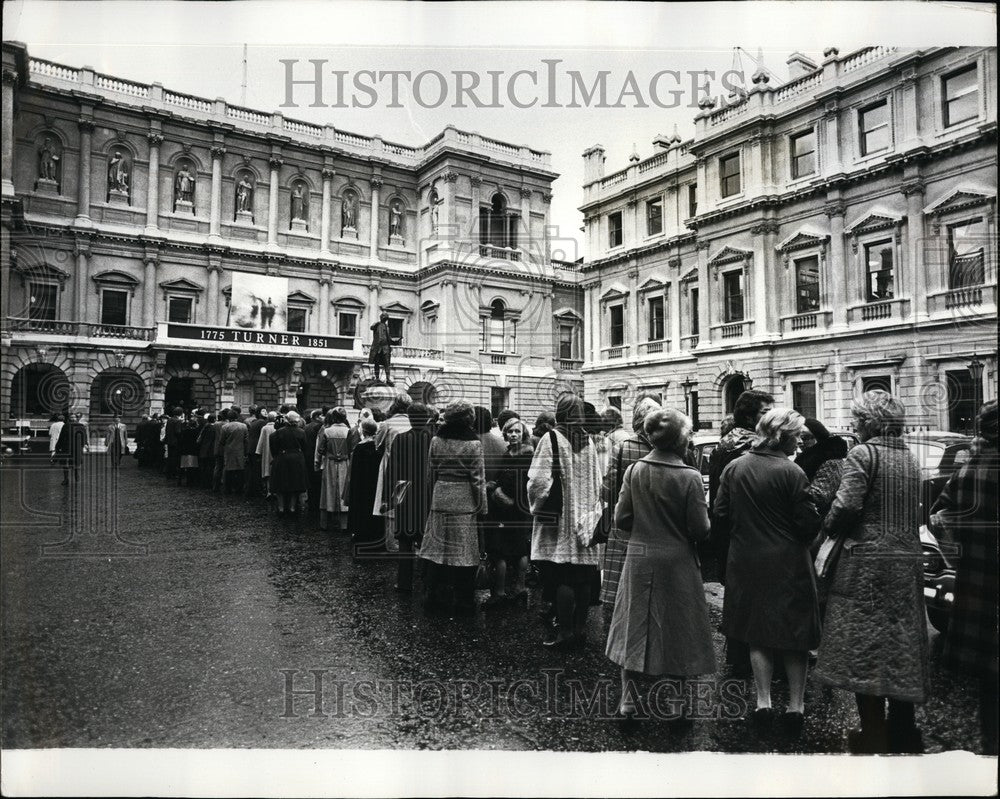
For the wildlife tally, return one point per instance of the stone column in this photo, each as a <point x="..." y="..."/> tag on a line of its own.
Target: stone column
<point x="376" y="185"/>
<point x="213" y="300"/>
<point x="272" y="201"/>
<point x="524" y="242"/>
<point x="673" y="300"/>
<point x="444" y="315"/>
<point x="475" y="233"/>
<point x="704" y="290"/>
<point x="151" y="258"/>
<point x="153" y="189"/>
<point x="914" y="191"/>
<point x="324" y="219"/>
<point x="82" y="251"/>
<point x="837" y="277"/>
<point x="5" y="260"/>
<point x="588" y="300"/>
<point x="701" y="191"/>
<point x="637" y="333"/>
<point x="831" y="128"/>
<point x="325" y="278"/>
<point x="83" y="182"/>
<point x="910" y="109"/>
<point x="215" y="217"/>
<point x="373" y="309"/>
<point x="446" y="227"/>
<point x="9" y="81"/>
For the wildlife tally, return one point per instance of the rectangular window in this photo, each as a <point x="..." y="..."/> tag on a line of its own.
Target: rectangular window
<point x="654" y="217"/>
<point x="179" y="310"/>
<point x="114" y="307"/>
<point x="876" y="382"/>
<point x="729" y="175"/>
<point x="347" y="324"/>
<point x="615" y="229"/>
<point x="873" y="125"/>
<point x="396" y="330"/>
<point x="655" y="318"/>
<point x="499" y="398"/>
<point x="615" y="401"/>
<point x="297" y="320"/>
<point x="804" y="398"/>
<point x="966" y="254"/>
<point x="878" y="262"/>
<point x="695" y="327"/>
<point x="803" y="152"/>
<point x="566" y="342"/>
<point x="42" y="300"/>
<point x="617" y="313"/>
<point x="732" y="289"/>
<point x="807" y="285"/>
<point x="961" y="95"/>
<point x="693" y="199"/>
<point x="496" y="328"/>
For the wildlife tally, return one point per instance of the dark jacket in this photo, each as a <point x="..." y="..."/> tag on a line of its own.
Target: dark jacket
<point x="288" y="465"/>
<point x="408" y="464"/>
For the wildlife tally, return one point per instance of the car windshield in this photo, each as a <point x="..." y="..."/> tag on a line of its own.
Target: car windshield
<point x="928" y="453"/>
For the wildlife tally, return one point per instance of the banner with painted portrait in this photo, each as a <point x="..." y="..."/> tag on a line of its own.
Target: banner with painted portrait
<point x="259" y="302"/>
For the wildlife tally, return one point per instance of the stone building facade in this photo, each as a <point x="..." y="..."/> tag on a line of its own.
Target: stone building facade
<point x="128" y="209"/>
<point x="814" y="239"/>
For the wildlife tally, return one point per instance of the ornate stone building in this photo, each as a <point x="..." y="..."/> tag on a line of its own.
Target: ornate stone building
<point x="129" y="209"/>
<point x="814" y="239"/>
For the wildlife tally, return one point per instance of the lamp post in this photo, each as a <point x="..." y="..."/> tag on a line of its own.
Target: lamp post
<point x="975" y="367"/>
<point x="687" y="385"/>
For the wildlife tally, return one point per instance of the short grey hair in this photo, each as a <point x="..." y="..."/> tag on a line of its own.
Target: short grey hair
<point x="643" y="407"/>
<point x="777" y="426"/>
<point x="879" y="413"/>
<point x="668" y="430"/>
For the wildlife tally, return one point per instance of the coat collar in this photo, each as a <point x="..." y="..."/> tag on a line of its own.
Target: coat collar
<point x="663" y="458"/>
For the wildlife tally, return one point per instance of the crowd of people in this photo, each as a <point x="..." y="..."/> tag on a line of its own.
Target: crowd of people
<point x="595" y="515"/>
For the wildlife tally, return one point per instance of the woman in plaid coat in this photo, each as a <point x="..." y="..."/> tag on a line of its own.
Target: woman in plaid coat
<point x="967" y="510"/>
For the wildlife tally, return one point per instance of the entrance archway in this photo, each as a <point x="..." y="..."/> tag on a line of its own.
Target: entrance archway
<point x="117" y="392"/>
<point x="39" y="390"/>
<point x="189" y="391"/>
<point x="735" y="386"/>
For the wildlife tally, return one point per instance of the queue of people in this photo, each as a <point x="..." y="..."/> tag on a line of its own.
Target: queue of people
<point x="468" y="502"/>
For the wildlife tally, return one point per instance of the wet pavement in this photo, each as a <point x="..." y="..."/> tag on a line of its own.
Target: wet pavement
<point x="175" y="617"/>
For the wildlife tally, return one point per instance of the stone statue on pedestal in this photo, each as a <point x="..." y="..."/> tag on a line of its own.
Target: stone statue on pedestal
<point x="118" y="173"/>
<point x="349" y="212"/>
<point x="48" y="161"/>
<point x="244" y="195"/>
<point x="395" y="222"/>
<point x="300" y="203"/>
<point x="380" y="354"/>
<point x="184" y="185"/>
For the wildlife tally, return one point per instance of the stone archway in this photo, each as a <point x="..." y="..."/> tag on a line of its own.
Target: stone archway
<point x="118" y="391"/>
<point x="190" y="390"/>
<point x="39" y="390"/>
<point x="731" y="390"/>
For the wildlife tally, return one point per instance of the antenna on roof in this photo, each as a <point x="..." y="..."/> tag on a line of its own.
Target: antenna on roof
<point x="243" y="86"/>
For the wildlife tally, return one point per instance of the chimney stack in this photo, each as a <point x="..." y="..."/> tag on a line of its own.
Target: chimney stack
<point x="799" y="65"/>
<point x="593" y="163"/>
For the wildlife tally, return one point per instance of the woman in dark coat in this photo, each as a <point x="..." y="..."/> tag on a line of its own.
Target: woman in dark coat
<point x="660" y="622"/>
<point x="289" y="480"/>
<point x="508" y="540"/>
<point x="187" y="447"/>
<point x="410" y="489"/>
<point x="770" y="602"/>
<point x="367" y="530"/>
<point x="206" y="450"/>
<point x="822" y="459"/>
<point x="967" y="510"/>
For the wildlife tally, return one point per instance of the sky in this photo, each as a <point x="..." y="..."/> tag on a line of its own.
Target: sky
<point x="197" y="48"/>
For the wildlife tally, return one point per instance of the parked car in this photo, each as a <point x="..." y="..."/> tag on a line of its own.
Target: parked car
<point x="704" y="444"/>
<point x="23" y="437"/>
<point x="939" y="578"/>
<point x="940" y="454"/>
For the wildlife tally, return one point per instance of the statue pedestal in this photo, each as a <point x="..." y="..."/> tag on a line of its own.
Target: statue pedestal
<point x="379" y="395"/>
<point x="300" y="226"/>
<point x="118" y="197"/>
<point x="47" y="186"/>
<point x="349" y="233"/>
<point x="244" y="218"/>
<point x="184" y="207"/>
<point x="396" y="241"/>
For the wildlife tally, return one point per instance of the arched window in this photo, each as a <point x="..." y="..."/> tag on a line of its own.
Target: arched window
<point x="497" y="225"/>
<point x="498" y="312"/>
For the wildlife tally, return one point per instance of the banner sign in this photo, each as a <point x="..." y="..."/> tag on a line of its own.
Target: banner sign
<point x="265" y="338"/>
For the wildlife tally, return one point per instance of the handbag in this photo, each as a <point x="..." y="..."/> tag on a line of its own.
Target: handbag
<point x="589" y="524"/>
<point x="832" y="547"/>
<point x="551" y="509"/>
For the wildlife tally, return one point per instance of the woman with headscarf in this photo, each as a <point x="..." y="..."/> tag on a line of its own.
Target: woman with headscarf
<point x="569" y="566"/>
<point x="288" y="480"/>
<point x="330" y="458"/>
<point x="410" y="489"/>
<point x="822" y="459"/>
<point x="770" y="602"/>
<point x="508" y="540"/>
<point x="451" y="544"/>
<point x="875" y="633"/>
<point x="367" y="530"/>
<point x="632" y="449"/>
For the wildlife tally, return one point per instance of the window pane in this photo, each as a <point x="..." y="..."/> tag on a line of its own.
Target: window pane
<point x="879" y="382"/>
<point x="878" y="258"/>
<point x="733" y="288"/>
<point x="42" y="301"/>
<point x="615" y="229"/>
<point x="297" y="320"/>
<point x="804" y="398"/>
<point x="961" y="93"/>
<point x="395" y="329"/>
<point x="655" y="318"/>
<point x="694" y="312"/>
<point x="807" y="285"/>
<point x="693" y="199"/>
<point x="729" y="168"/>
<point x="179" y="310"/>
<point x="348" y="324"/>
<point x="114" y="307"/>
<point x="654" y="217"/>
<point x="966" y="250"/>
<point x="874" y="128"/>
<point x="803" y="154"/>
<point x="617" y="325"/>
<point x="565" y="341"/>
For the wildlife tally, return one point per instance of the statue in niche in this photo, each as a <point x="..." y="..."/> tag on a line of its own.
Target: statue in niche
<point x="48" y="161"/>
<point x="244" y="194"/>
<point x="300" y="202"/>
<point x="396" y="220"/>
<point x="118" y="177"/>
<point x="435" y="212"/>
<point x="184" y="184"/>
<point x="349" y="212"/>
